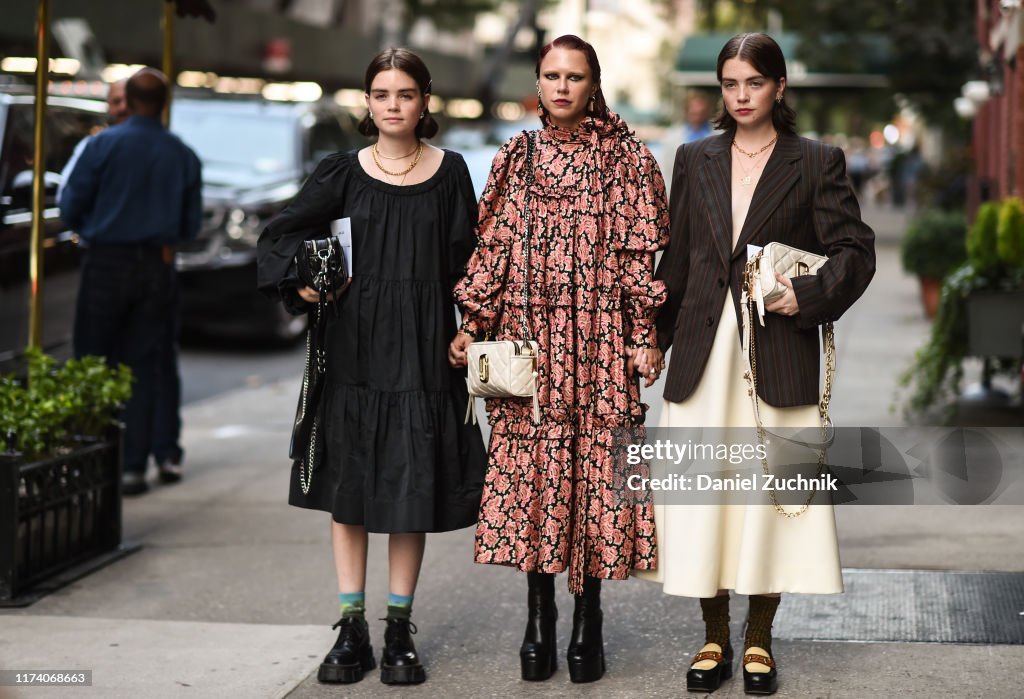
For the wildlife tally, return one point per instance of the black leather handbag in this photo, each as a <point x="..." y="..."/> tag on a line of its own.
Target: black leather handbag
<point x="320" y="265"/>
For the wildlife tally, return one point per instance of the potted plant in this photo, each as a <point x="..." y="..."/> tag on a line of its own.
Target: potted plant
<point x="932" y="247"/>
<point x="974" y="308"/>
<point x="60" y="468"/>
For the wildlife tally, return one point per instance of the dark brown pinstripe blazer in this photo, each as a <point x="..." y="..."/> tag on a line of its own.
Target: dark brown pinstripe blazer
<point x="803" y="199"/>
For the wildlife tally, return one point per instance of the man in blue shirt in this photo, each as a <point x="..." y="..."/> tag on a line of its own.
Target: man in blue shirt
<point x="697" y="126"/>
<point x="134" y="193"/>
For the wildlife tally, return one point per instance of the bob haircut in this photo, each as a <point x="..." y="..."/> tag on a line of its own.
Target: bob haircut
<point x="574" y="43"/>
<point x="413" y="66"/>
<point x="760" y="51"/>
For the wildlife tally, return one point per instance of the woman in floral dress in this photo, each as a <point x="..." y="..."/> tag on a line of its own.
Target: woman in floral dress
<point x="598" y="214"/>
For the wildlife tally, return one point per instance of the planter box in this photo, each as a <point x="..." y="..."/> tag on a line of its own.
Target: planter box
<point x="56" y="515"/>
<point x="995" y="324"/>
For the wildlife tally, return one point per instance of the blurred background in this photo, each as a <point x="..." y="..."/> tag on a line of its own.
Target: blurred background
<point x="924" y="96"/>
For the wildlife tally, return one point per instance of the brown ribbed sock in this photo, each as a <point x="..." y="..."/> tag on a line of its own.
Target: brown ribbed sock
<point x="759" y="621"/>
<point x="716" y="619"/>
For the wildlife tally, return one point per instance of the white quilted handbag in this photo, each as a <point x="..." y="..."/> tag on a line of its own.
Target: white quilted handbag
<point x="787" y="261"/>
<point x="502" y="369"/>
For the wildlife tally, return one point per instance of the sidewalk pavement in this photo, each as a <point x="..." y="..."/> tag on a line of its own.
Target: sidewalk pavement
<point x="233" y="592"/>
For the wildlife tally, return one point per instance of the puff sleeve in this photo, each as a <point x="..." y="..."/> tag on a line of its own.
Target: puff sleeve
<point x="640" y="228"/>
<point x="320" y="201"/>
<point x="479" y="293"/>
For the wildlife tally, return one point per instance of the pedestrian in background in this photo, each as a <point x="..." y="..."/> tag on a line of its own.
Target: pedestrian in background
<point x="166" y="447"/>
<point x="756" y="183"/>
<point x="134" y="193"/>
<point x="598" y="211"/>
<point x="398" y="458"/>
<point x="698" y="115"/>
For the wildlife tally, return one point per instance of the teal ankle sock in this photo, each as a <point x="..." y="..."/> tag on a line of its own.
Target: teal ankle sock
<point x="399" y="606"/>
<point x="352" y="603"/>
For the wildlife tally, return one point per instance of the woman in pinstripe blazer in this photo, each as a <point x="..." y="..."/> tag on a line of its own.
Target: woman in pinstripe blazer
<point x="754" y="183"/>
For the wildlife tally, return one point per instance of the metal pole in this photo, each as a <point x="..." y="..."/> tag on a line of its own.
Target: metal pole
<point x="168" y="64"/>
<point x="35" y="331"/>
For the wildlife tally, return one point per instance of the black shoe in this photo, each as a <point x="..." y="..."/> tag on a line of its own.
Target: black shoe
<point x="585" y="656"/>
<point x="169" y="471"/>
<point x="352" y="654"/>
<point x="760" y="682"/>
<point x="399" y="663"/>
<point x="538" y="654"/>
<point x="711" y="679"/>
<point x="133" y="483"/>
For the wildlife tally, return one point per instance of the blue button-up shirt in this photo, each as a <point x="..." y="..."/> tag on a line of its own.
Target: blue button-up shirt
<point x="134" y="183"/>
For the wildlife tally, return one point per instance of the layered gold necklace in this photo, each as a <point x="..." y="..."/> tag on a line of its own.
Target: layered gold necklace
<point x="748" y="173"/>
<point x="398" y="173"/>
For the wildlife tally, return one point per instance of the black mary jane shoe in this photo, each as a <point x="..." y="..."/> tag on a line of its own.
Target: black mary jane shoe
<point x="763" y="683"/>
<point x="399" y="663"/>
<point x="352" y="655"/>
<point x="585" y="656"/>
<point x="711" y="679"/>
<point x="538" y="655"/>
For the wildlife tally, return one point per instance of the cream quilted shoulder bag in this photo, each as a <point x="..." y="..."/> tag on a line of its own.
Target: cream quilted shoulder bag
<point x="507" y="368"/>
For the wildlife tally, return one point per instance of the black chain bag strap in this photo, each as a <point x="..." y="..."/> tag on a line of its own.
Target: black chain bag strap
<point x="321" y="266"/>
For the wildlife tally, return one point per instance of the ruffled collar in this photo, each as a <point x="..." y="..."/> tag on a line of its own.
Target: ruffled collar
<point x="590" y="129"/>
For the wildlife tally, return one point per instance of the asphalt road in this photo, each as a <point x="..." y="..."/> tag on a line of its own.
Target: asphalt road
<point x="211" y="367"/>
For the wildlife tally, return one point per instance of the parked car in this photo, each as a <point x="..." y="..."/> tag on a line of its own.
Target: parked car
<point x="255" y="156"/>
<point x="68" y="120"/>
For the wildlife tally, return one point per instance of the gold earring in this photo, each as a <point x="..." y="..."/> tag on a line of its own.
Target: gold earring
<point x="540" y="103"/>
<point x="778" y="100"/>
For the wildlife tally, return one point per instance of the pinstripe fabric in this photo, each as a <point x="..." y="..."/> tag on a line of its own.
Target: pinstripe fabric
<point x="803" y="199"/>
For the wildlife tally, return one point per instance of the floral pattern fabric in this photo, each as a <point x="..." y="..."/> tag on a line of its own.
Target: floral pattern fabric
<point x="598" y="214"/>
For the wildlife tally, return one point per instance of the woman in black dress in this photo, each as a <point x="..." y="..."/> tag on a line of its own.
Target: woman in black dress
<point x="398" y="459"/>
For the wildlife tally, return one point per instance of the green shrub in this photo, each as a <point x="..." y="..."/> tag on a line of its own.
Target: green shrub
<point x="1010" y="232"/>
<point x="934" y="243"/>
<point x="80" y="398"/>
<point x="982" y="250"/>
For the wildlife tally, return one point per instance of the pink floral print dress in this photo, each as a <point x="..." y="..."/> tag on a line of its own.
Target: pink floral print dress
<point x="598" y="214"/>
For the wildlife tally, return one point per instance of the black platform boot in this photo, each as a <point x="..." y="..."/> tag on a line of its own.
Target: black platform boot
<point x="352" y="654"/>
<point x="586" y="649"/>
<point x="538" y="654"/>
<point x="399" y="663"/>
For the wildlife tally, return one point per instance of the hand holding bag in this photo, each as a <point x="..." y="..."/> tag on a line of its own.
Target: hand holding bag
<point x="507" y="368"/>
<point x="787" y="261"/>
<point x="759" y="274"/>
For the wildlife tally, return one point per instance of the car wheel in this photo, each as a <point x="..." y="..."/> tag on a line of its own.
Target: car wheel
<point x="287" y="328"/>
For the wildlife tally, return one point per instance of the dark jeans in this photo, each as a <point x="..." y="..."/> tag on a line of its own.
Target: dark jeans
<point x="167" y="413"/>
<point x="124" y="299"/>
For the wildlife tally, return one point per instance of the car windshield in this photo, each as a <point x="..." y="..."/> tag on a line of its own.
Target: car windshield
<point x="259" y="143"/>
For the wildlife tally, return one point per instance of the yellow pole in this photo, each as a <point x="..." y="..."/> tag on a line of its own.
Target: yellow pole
<point x="168" y="64"/>
<point x="35" y="330"/>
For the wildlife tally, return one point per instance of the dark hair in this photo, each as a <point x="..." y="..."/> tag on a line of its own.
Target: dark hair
<point x="413" y="66"/>
<point x="760" y="51"/>
<point x="574" y="43"/>
<point x="146" y="88"/>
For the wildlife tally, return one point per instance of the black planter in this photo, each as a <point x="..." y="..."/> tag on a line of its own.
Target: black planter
<point x="60" y="517"/>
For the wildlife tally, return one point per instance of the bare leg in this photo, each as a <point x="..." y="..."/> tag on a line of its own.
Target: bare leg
<point x="405" y="556"/>
<point x="349" y="542"/>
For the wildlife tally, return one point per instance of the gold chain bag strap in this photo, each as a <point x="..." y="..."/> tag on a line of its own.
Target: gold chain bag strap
<point x="789" y="262"/>
<point x="508" y="368"/>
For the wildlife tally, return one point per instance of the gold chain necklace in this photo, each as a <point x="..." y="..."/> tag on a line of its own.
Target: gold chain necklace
<point x="757" y="152"/>
<point x="396" y="157"/>
<point x="747" y="178"/>
<point x="400" y="173"/>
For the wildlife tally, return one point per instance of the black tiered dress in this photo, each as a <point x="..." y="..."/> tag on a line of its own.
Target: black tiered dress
<point x="398" y="456"/>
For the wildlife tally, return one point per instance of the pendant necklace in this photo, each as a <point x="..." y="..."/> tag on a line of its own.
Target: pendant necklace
<point x="747" y="178"/>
